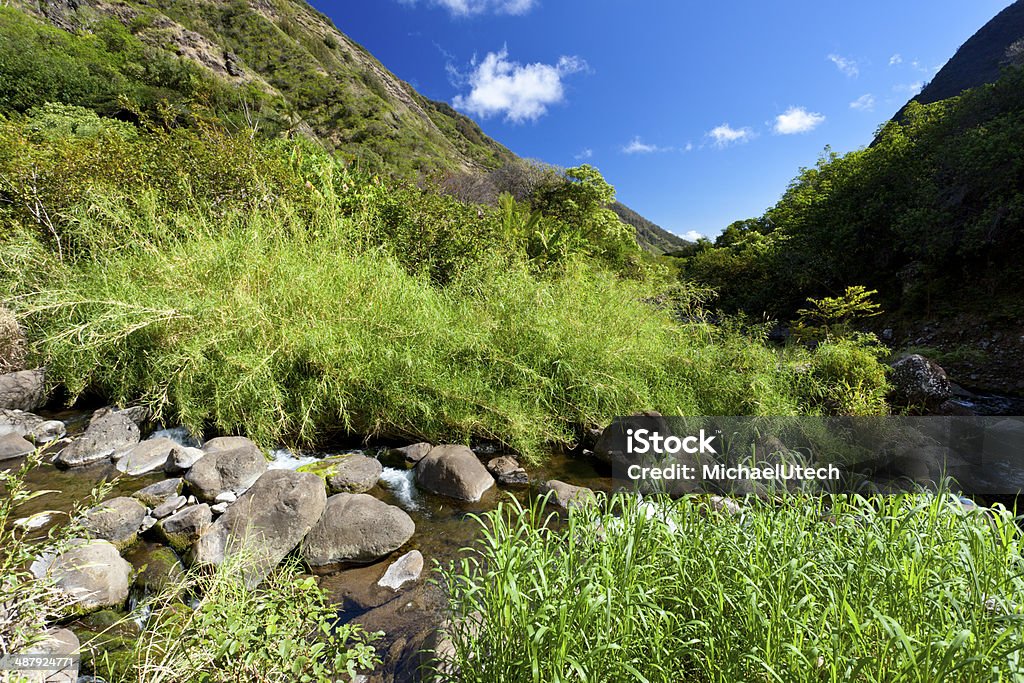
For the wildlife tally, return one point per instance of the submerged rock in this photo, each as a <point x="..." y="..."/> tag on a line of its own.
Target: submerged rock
<point x="107" y="435"/>
<point x="356" y="527"/>
<point x="116" y="520"/>
<point x="453" y="471"/>
<point x="350" y="473"/>
<point x="266" y="523"/>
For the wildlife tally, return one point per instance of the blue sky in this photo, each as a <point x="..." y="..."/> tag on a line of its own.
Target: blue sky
<point x="699" y="113"/>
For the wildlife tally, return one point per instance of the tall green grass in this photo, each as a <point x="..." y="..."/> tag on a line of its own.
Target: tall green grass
<point x="901" y="588"/>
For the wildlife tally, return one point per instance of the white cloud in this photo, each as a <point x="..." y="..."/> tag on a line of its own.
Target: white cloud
<point x="689" y="147"/>
<point x="465" y="8"/>
<point x="585" y="153"/>
<point x="845" y="64"/>
<point x="725" y="135"/>
<point x="692" y="235"/>
<point x="637" y="146"/>
<point x="896" y="59"/>
<point x="797" y="120"/>
<point x="864" y="103"/>
<point x="909" y="88"/>
<point x="522" y="92"/>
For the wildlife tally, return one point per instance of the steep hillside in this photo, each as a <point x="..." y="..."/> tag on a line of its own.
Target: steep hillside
<point x="280" y="63"/>
<point x="998" y="44"/>
<point x="650" y="236"/>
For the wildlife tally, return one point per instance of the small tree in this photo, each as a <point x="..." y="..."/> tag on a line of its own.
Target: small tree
<point x="833" y="317"/>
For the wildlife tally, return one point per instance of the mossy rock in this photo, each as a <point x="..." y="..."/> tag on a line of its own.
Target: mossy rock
<point x="348" y="473"/>
<point x="107" y="644"/>
<point x="158" y="567"/>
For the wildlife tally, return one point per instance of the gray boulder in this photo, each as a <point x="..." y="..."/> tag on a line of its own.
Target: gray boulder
<point x="453" y="471"/>
<point x="30" y="426"/>
<point x="919" y="381"/>
<point x="186" y="526"/>
<point x="168" y="507"/>
<point x="229" y="443"/>
<point x="116" y="520"/>
<point x="350" y="473"/>
<point x="148" y="456"/>
<point x="268" y="522"/>
<point x="91" y="574"/>
<point x="23" y="390"/>
<point x="508" y="471"/>
<point x="61" y="643"/>
<point x="566" y="495"/>
<point x="231" y="469"/>
<point x="182" y="459"/>
<point x="405" y="457"/>
<point x="356" y="527"/>
<point x="14" y="446"/>
<point x="108" y="435"/>
<point x="156" y="494"/>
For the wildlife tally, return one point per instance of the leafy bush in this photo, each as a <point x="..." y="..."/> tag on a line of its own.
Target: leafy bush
<point x="900" y="588"/>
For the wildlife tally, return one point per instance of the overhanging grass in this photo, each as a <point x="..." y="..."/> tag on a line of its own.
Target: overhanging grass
<point x="902" y="588"/>
<point x="257" y="323"/>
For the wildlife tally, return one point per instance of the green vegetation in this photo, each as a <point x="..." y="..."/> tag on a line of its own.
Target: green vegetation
<point x="900" y="588"/>
<point x="262" y="287"/>
<point x="929" y="216"/>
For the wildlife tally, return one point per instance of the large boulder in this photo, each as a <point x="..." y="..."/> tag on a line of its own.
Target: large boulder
<point x="186" y="526"/>
<point x="405" y="457"/>
<point x="149" y="456"/>
<point x="116" y="520"/>
<point x="14" y="446"/>
<point x="23" y="390"/>
<point x="30" y="426"/>
<point x="453" y="471"/>
<point x="350" y="473"/>
<point x="919" y="381"/>
<point x="226" y="468"/>
<point x="106" y="436"/>
<point x="356" y="527"/>
<point x="91" y="574"/>
<point x="266" y="523"/>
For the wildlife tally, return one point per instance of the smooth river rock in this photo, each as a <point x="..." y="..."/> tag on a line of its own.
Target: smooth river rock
<point x="91" y="574"/>
<point x="267" y="522"/>
<point x="14" y="446"/>
<point x="356" y="527"/>
<point x="404" y="570"/>
<point x="453" y="471"/>
<point x="350" y="473"/>
<point x="156" y="494"/>
<point x="37" y="429"/>
<point x="57" y="643"/>
<point x="116" y="520"/>
<point x="149" y="456"/>
<point x="106" y="436"/>
<point x="226" y="468"/>
<point x="566" y="495"/>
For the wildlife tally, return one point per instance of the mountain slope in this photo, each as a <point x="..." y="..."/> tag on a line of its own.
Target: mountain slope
<point x="649" y="235"/>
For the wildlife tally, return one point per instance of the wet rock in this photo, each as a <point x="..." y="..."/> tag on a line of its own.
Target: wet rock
<point x="116" y="520"/>
<point x="453" y="471"/>
<point x="13" y="446"/>
<point x="91" y="574"/>
<point x="157" y="567"/>
<point x="918" y="381"/>
<point x="232" y="469"/>
<point x="160" y="492"/>
<point x="169" y="507"/>
<point x="350" y="473"/>
<point x="23" y="390"/>
<point x="184" y="528"/>
<point x="508" y="472"/>
<point x="106" y="436"/>
<point x="566" y="495"/>
<point x="182" y="459"/>
<point x="268" y="521"/>
<point x="30" y="426"/>
<point x="404" y="570"/>
<point x="405" y="457"/>
<point x="356" y="527"/>
<point x="148" y="456"/>
<point x="148" y="522"/>
<point x="57" y="643"/>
